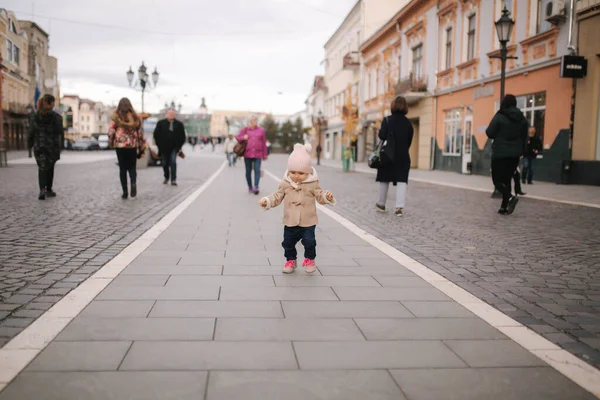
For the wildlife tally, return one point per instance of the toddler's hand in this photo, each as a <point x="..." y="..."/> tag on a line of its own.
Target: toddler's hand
<point x="329" y="196"/>
<point x="262" y="202"/>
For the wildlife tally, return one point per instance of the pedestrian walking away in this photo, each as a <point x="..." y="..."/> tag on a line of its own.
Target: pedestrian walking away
<point x="319" y="150"/>
<point x="169" y="136"/>
<point x="126" y="136"/>
<point x="299" y="191"/>
<point x="508" y="130"/>
<point x="229" y="145"/>
<point x="256" y="152"/>
<point x="45" y="137"/>
<point x="532" y="149"/>
<point x="398" y="132"/>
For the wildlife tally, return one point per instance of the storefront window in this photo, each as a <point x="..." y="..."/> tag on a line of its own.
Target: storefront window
<point x="534" y="108"/>
<point x="452" y="132"/>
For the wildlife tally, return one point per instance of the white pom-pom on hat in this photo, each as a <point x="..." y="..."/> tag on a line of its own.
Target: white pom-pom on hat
<point x="308" y="147"/>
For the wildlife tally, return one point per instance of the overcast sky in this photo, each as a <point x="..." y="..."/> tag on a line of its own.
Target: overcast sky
<point x="239" y="54"/>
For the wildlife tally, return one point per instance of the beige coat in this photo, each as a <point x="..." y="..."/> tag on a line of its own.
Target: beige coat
<point x="299" y="200"/>
<point x="229" y="145"/>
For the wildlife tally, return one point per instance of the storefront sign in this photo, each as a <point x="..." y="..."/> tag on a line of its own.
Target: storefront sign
<point x="483" y="91"/>
<point x="573" y="67"/>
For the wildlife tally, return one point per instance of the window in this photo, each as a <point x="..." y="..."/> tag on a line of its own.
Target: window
<point x="9" y="50"/>
<point x="448" y="57"/>
<point x="452" y="132"/>
<point x="544" y="9"/>
<point x="12" y="26"/>
<point x="16" y="55"/>
<point x="417" y="62"/>
<point x="471" y="23"/>
<point x="533" y="107"/>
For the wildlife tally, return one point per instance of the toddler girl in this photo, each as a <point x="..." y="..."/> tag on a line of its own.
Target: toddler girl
<point x="299" y="190"/>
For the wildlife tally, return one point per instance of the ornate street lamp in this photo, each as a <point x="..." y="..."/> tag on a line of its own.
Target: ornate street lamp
<point x="143" y="79"/>
<point x="504" y="28"/>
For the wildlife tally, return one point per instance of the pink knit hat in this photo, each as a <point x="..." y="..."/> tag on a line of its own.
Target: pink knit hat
<point x="300" y="160"/>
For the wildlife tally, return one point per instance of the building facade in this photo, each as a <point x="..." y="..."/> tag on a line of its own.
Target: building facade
<point x="89" y="118"/>
<point x="315" y="104"/>
<point x="586" y="133"/>
<point x="400" y="59"/>
<point x="342" y="68"/>
<point x="16" y="102"/>
<point x="468" y="84"/>
<point x="42" y="67"/>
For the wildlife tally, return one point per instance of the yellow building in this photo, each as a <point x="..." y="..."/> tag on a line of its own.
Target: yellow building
<point x="16" y="102"/>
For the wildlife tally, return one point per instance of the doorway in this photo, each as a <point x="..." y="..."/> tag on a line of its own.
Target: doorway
<point x="467" y="142"/>
<point x="414" y="147"/>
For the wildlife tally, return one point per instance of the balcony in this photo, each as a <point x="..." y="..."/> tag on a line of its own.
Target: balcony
<point x="411" y="88"/>
<point x="17" y="108"/>
<point x="351" y="60"/>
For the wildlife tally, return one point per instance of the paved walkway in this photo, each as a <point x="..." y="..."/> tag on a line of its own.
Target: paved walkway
<point x="205" y="313"/>
<point x="571" y="194"/>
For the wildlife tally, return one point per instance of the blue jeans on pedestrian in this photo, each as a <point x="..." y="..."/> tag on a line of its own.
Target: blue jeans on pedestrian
<point x="169" y="162"/>
<point x="250" y="163"/>
<point x="294" y="234"/>
<point x="231" y="158"/>
<point x="528" y="168"/>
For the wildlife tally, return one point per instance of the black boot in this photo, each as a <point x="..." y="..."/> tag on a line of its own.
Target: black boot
<point x="124" y="195"/>
<point x="42" y="195"/>
<point x="50" y="193"/>
<point x="133" y="190"/>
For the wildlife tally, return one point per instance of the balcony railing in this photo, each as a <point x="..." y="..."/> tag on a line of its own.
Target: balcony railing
<point x="351" y="60"/>
<point x="17" y="108"/>
<point x="411" y="84"/>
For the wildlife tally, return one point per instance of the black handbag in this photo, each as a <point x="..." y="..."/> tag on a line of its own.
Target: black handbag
<point x="374" y="160"/>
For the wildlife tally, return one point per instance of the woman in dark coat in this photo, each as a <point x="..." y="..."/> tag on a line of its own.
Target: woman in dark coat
<point x="45" y="136"/>
<point x="397" y="172"/>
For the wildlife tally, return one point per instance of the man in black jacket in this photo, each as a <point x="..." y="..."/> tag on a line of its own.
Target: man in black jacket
<point x="169" y="136"/>
<point x="534" y="145"/>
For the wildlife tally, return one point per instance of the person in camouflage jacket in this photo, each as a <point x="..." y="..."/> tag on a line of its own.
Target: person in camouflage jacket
<point x="45" y="136"/>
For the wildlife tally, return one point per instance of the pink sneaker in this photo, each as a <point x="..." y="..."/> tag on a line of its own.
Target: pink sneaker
<point x="289" y="267"/>
<point x="309" y="266"/>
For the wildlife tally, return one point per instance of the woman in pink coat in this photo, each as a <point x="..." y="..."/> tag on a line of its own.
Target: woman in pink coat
<point x="256" y="151"/>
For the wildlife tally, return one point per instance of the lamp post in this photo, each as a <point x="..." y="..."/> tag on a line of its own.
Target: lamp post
<point x="504" y="28"/>
<point x="143" y="79"/>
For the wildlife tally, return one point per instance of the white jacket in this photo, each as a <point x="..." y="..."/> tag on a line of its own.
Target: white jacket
<point x="229" y="145"/>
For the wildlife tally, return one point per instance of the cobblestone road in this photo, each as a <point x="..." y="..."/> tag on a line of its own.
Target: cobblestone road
<point x="539" y="266"/>
<point x="48" y="247"/>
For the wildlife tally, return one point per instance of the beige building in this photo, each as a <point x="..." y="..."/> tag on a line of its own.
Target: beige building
<point x="90" y="118"/>
<point x="16" y="101"/>
<point x="42" y="67"/>
<point x="342" y="68"/>
<point x="224" y="122"/>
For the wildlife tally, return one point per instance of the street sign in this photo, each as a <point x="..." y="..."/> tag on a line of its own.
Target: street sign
<point x="573" y="67"/>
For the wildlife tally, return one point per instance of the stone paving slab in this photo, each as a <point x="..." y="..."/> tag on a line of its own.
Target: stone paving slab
<point x="194" y="356"/>
<point x="303" y="385"/>
<point x="138" y="329"/>
<point x="163" y="385"/>
<point x="247" y="331"/>
<point x="486" y="383"/>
